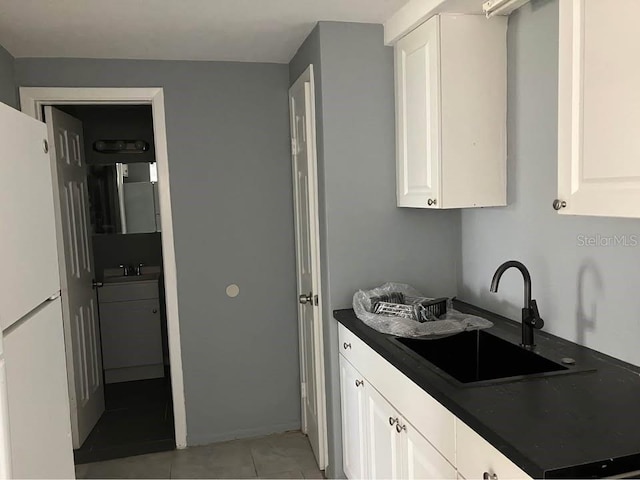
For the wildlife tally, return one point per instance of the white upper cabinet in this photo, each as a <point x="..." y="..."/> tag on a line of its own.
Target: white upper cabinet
<point x="599" y="108"/>
<point x="451" y="76"/>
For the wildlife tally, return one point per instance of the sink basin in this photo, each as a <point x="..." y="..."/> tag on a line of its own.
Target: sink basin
<point x="478" y="357"/>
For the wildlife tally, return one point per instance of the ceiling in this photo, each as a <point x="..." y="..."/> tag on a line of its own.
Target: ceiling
<point x="236" y="30"/>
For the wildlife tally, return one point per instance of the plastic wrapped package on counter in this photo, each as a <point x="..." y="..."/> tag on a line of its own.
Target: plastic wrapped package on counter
<point x="393" y="297"/>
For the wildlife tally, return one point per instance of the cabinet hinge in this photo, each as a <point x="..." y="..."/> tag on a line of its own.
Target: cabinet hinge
<point x="303" y="389"/>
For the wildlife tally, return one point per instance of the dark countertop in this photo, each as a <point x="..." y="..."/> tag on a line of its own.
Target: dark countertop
<point x="583" y="425"/>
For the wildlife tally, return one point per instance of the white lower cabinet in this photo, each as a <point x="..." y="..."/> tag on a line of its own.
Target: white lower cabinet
<point x="384" y="444"/>
<point x="353" y="418"/>
<point x="393" y="429"/>
<point x="422" y="460"/>
<point x="477" y="458"/>
<point x="378" y="442"/>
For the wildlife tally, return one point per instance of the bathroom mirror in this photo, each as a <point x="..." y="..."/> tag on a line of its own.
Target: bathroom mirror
<point x="124" y="198"/>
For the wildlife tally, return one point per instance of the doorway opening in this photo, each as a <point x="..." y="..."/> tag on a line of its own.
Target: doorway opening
<point x="117" y="268"/>
<point x="125" y="255"/>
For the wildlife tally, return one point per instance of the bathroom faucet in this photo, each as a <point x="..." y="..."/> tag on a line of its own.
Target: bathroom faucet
<point x="530" y="316"/>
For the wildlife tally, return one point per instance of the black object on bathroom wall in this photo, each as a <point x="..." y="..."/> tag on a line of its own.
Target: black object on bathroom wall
<point x="120" y="146"/>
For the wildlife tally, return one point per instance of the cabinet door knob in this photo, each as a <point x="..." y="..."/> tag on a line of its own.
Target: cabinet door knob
<point x="155" y="310"/>
<point x="489" y="476"/>
<point x="392" y="421"/>
<point x="346" y="345"/>
<point x="431" y="202"/>
<point x="400" y="428"/>
<point x="359" y="383"/>
<point x="559" y="204"/>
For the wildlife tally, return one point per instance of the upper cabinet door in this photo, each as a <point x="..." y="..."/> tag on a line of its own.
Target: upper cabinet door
<point x="29" y="273"/>
<point x="599" y="108"/>
<point x="418" y="116"/>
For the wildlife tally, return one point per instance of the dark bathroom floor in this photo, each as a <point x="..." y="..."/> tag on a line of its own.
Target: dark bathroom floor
<point x="138" y="419"/>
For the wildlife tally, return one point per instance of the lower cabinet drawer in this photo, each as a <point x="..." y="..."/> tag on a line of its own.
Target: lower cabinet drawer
<point x="477" y="458"/>
<point x="350" y="346"/>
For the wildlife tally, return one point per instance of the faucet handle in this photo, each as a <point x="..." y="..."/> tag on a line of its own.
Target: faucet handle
<point x="534" y="319"/>
<point x="125" y="269"/>
<point x="139" y="269"/>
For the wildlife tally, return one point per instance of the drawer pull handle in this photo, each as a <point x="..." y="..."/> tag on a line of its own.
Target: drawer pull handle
<point x="392" y="421"/>
<point x="400" y="428"/>
<point x="489" y="476"/>
<point x="346" y="345"/>
<point x="359" y="383"/>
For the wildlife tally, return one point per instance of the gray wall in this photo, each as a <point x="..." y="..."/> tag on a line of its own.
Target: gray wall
<point x="227" y="127"/>
<point x="585" y="294"/>
<point x="8" y="90"/>
<point x="366" y="239"/>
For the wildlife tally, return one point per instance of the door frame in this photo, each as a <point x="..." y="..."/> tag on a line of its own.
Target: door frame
<point x="308" y="77"/>
<point x="32" y="99"/>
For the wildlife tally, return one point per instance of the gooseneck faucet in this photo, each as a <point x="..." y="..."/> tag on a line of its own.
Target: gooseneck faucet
<point x="530" y="316"/>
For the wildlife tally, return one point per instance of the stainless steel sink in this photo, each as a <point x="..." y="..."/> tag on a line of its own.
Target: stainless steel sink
<point x="480" y="358"/>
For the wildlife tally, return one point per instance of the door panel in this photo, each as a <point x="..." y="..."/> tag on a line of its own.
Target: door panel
<point x="418" y="121"/>
<point x="383" y="440"/>
<point x="131" y="333"/>
<point x="29" y="273"/>
<point x="84" y="358"/>
<point x="422" y="460"/>
<point x="353" y="421"/>
<point x="599" y="108"/>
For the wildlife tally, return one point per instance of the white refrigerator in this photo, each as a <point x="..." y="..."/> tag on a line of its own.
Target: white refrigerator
<point x="35" y="427"/>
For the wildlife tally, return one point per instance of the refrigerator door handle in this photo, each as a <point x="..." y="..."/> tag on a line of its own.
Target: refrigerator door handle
<point x="55" y="296"/>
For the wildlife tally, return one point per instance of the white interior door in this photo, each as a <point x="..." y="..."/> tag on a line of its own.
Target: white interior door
<point x="81" y="330"/>
<point x="301" y="99"/>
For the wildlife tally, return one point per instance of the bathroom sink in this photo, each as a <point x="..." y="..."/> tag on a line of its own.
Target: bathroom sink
<point x="480" y="358"/>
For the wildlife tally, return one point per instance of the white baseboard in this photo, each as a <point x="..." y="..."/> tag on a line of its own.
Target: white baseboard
<point x="205" y="439"/>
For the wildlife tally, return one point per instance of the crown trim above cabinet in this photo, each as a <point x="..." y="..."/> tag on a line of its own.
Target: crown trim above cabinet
<point x="451" y="108"/>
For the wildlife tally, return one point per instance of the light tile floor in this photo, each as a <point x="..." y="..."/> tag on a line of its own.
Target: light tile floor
<point x="286" y="455"/>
